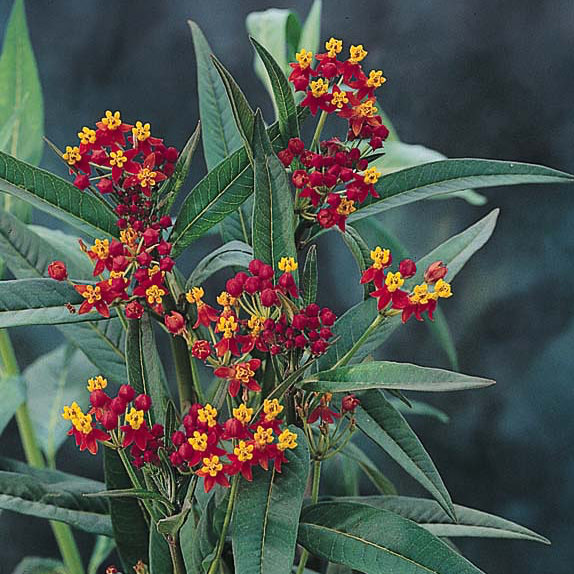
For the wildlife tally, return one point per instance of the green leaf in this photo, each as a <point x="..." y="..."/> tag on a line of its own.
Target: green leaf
<point x="360" y="252"/>
<point x="351" y="326"/>
<point x="339" y="478"/>
<point x="171" y="187"/>
<point x="311" y="32"/>
<point x="145" y="371"/>
<point x="399" y="155"/>
<point x="13" y="393"/>
<point x="266" y="514"/>
<point x="56" y="196"/>
<point x="159" y="556"/>
<point x="310" y="276"/>
<point x="282" y="94"/>
<point x="103" y="547"/>
<point x="232" y="254"/>
<point x="33" y="565"/>
<point x="53" y="380"/>
<point x="130" y="529"/>
<point x="469" y="522"/>
<point x="217" y="195"/>
<point x="373" y="540"/>
<point x="21" y="93"/>
<point x="390" y="375"/>
<point x="220" y="135"/>
<point x="53" y="495"/>
<point x="439" y="177"/>
<point x="273" y="226"/>
<point x="39" y="302"/>
<point x="385" y="426"/>
<point x="242" y="112"/>
<point x="419" y="408"/>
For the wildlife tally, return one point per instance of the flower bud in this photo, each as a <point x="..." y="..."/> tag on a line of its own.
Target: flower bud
<point x="157" y="431"/>
<point x="134" y="310"/>
<point x="435" y="271"/>
<point x="255" y="266"/>
<point x="175" y="323"/>
<point x="105" y="185"/>
<point x="407" y="268"/>
<point x="266" y="272"/>
<point x="166" y="264"/>
<point x="142" y="402"/>
<point x="118" y="406"/>
<point x="252" y="285"/>
<point x="99" y="399"/>
<point x="296" y="146"/>
<point x="175" y="459"/>
<point x="177" y="438"/>
<point x="234" y="287"/>
<point x="150" y="236"/>
<point x="300" y="178"/>
<point x="349" y="403"/>
<point x="299" y="322"/>
<point x="109" y="420"/>
<point x="82" y="181"/>
<point x="286" y="157"/>
<point x="165" y="221"/>
<point x="127" y="393"/>
<point x="57" y="270"/>
<point x="269" y="298"/>
<point x="171" y="154"/>
<point x="201" y="349"/>
<point x="319" y="347"/>
<point x="327" y="317"/>
<point x="312" y="310"/>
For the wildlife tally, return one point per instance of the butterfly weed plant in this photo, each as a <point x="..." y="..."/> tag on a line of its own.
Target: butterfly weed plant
<point x="221" y="469"/>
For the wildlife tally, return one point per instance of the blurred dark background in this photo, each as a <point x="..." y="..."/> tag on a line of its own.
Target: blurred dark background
<point x="475" y="78"/>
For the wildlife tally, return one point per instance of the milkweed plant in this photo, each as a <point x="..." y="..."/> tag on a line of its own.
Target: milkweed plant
<point x="225" y="466"/>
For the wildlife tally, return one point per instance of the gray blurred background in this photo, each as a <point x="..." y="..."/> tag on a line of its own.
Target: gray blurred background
<point x="474" y="78"/>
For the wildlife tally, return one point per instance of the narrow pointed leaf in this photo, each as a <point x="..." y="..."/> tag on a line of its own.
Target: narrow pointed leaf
<point x="103" y="547"/>
<point x="420" y="408"/>
<point x="266" y="515"/>
<point x="273" y="229"/>
<point x="311" y="32"/>
<point x="372" y="540"/>
<point x="13" y="393"/>
<point x="159" y="555"/>
<point x="53" y="495"/>
<point x="36" y="565"/>
<point x="310" y="276"/>
<point x="450" y="175"/>
<point x="385" y="426"/>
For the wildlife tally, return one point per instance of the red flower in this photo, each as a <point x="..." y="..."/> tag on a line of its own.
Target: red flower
<point x="175" y="323"/>
<point x="57" y="270"/>
<point x="213" y="472"/>
<point x="201" y="349"/>
<point x="240" y="374"/>
<point x="390" y="291"/>
<point x="323" y="411"/>
<point x="136" y="430"/>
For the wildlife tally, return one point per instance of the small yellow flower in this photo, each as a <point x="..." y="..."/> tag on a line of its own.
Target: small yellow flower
<point x="371" y="176"/>
<point x="380" y="257"/>
<point x="357" y="53"/>
<point x="97" y="383"/>
<point x="135" y="418"/>
<point x="287" y="264"/>
<point x="198" y="441"/>
<point x="333" y="47"/>
<point x="87" y="136"/>
<point x="243" y="413"/>
<point x="141" y="131"/>
<point x="112" y="121"/>
<point x="394" y="281"/>
<point x="243" y="451"/>
<point x="287" y="439"/>
<point x="376" y="79"/>
<point x="72" y="155"/>
<point x="319" y="87"/>
<point x="272" y="409"/>
<point x="304" y="58"/>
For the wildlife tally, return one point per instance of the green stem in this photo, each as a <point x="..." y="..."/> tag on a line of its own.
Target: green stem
<point x="359" y="343"/>
<point x="62" y="532"/>
<point x="314" y="498"/>
<point x="183" y="372"/>
<point x="196" y="380"/>
<point x="318" y="130"/>
<point x="176" y="556"/>
<point x="221" y="543"/>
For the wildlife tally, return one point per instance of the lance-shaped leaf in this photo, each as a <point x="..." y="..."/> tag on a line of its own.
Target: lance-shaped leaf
<point x="39" y="302"/>
<point x="266" y="514"/>
<point x="469" y="522"/>
<point x="282" y="95"/>
<point x="218" y="195"/>
<point x="145" y="371"/>
<point x="439" y="177"/>
<point x="372" y="540"/>
<point x="21" y="94"/>
<point x="159" y="555"/>
<point x="273" y="226"/>
<point x="310" y="276"/>
<point x="420" y="408"/>
<point x="390" y="375"/>
<point x="100" y="552"/>
<point x="351" y="327"/>
<point x="53" y="495"/>
<point x="56" y="196"/>
<point x="242" y="112"/>
<point x="36" y="565"/>
<point x="130" y="529"/>
<point x="385" y="426"/>
<point x="232" y="254"/>
<point x="311" y="32"/>
<point x="13" y="393"/>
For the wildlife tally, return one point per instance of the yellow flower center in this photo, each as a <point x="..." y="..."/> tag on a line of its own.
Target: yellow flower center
<point x="287" y="439"/>
<point x="207" y="415"/>
<point x="255" y="323"/>
<point x="394" y="281"/>
<point x="339" y="99"/>
<point x="87" y="136"/>
<point x="263" y="436"/>
<point x="154" y="294"/>
<point x="367" y="109"/>
<point x="442" y="289"/>
<point x="371" y="175"/>
<point x="92" y="294"/>
<point x="141" y="131"/>
<point x="243" y="413"/>
<point x="195" y="295"/>
<point x="376" y="79"/>
<point x="380" y="257"/>
<point x="112" y="121"/>
<point x="227" y="326"/>
<point x="243" y="451"/>
<point x="101" y="248"/>
<point x="134" y="418"/>
<point x="72" y="155"/>
<point x="147" y="177"/>
<point x="226" y="300"/>
<point x="272" y="409"/>
<point x="211" y="466"/>
<point x="319" y="87"/>
<point x="243" y="372"/>
<point x="198" y="441"/>
<point x="97" y="383"/>
<point x="333" y="47"/>
<point x="304" y="58"/>
<point x="129" y="236"/>
<point x="420" y="294"/>
<point x="118" y="158"/>
<point x="153" y="270"/>
<point x="357" y="53"/>
<point x="346" y="207"/>
<point x="287" y="264"/>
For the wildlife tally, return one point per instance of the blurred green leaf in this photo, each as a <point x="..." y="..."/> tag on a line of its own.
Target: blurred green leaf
<point x="311" y="32"/>
<point x="53" y="495"/>
<point x="100" y="552"/>
<point x="273" y="226"/>
<point x="266" y="514"/>
<point x="33" y="565"/>
<point x="13" y="393"/>
<point x="352" y="534"/>
<point x="21" y="104"/>
<point x="159" y="556"/>
<point x="56" y="196"/>
<point x="419" y="408"/>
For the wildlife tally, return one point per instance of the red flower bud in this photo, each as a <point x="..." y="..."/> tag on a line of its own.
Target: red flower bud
<point x="234" y="287"/>
<point x="407" y="268"/>
<point x="118" y="406"/>
<point x="164" y="247"/>
<point x="157" y="430"/>
<point x="296" y="146"/>
<point x="435" y="271"/>
<point x="144" y="258"/>
<point x="175" y="459"/>
<point x="376" y="142"/>
<point x="171" y="154"/>
<point x="327" y="317"/>
<point x="150" y="236"/>
<point x="300" y="178"/>
<point x="127" y="393"/>
<point x="201" y="349"/>
<point x="266" y="272"/>
<point x="134" y="310"/>
<point x="255" y="266"/>
<point x="165" y="221"/>
<point x="382" y="132"/>
<point x="166" y="264"/>
<point x="349" y="403"/>
<point x="269" y="298"/>
<point x="319" y="347"/>
<point x="300" y="341"/>
<point x="57" y="270"/>
<point x="299" y="322"/>
<point x="312" y="310"/>
<point x="105" y="185"/>
<point x="109" y="420"/>
<point x="286" y="157"/>
<point x="316" y="179"/>
<point x="177" y="438"/>
<point x="142" y="402"/>
<point x="82" y="181"/>
<point x="252" y="285"/>
<point x="175" y="323"/>
<point x="99" y="399"/>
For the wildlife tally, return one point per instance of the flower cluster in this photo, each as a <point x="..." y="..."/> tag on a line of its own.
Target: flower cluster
<point x="388" y="285"/>
<point x="333" y="180"/>
<point x="216" y="451"/>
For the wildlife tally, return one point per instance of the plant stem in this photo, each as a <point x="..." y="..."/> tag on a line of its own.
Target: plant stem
<point x="176" y="556"/>
<point x="314" y="498"/>
<point x="62" y="532"/>
<point x="196" y="380"/>
<point x="359" y="343"/>
<point x="221" y="543"/>
<point x="183" y="372"/>
<point x="318" y="129"/>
